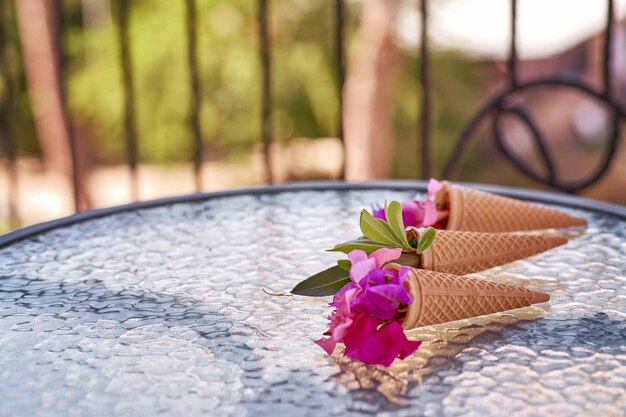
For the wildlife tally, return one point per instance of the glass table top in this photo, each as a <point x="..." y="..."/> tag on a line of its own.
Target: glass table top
<point x="168" y="311"/>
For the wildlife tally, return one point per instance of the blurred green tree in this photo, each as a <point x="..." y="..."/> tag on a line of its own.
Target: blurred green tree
<point x="304" y="84"/>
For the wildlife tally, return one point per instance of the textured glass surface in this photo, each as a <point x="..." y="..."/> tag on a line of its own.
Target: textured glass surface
<point x="164" y="311"/>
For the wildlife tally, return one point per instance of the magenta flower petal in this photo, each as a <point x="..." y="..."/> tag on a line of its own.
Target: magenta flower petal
<point x="412" y="213"/>
<point x="431" y="216"/>
<point x="357" y="255"/>
<point x="403" y="272"/>
<point x="433" y="187"/>
<point x="327" y="343"/>
<point x="361" y="265"/>
<point x="392" y="292"/>
<point x="385" y="255"/>
<point x="408" y="348"/>
<point x="383" y="346"/>
<point x="379" y="214"/>
<point x="382" y="301"/>
<point x="362" y="326"/>
<point x="339" y="331"/>
<point x="376" y="277"/>
<point x="359" y="270"/>
<point x="340" y="296"/>
<point x="342" y="317"/>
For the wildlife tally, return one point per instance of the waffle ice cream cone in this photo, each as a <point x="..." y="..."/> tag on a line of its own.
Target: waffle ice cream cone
<point x="439" y="298"/>
<point x="460" y="253"/>
<point x="478" y="211"/>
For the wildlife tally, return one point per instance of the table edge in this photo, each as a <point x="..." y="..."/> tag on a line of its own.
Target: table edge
<point x="403" y="185"/>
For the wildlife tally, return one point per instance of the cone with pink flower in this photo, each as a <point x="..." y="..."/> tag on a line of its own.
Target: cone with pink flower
<point x="460" y="253"/>
<point x="377" y="292"/>
<point x="478" y="211"/>
<point x="440" y="298"/>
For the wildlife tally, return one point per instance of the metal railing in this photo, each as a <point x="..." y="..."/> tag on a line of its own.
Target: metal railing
<point x="497" y="107"/>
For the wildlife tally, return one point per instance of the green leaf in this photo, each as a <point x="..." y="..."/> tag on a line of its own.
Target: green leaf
<point x="327" y="282"/>
<point x="363" y="244"/>
<point x="376" y="229"/>
<point x="393" y="212"/>
<point x="426" y="239"/>
<point x="344" y="264"/>
<point x="388" y="228"/>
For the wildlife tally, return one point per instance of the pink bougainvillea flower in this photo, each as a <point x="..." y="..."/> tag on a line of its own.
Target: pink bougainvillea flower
<point x="381" y="346"/>
<point x="362" y="326"/>
<point x="433" y="188"/>
<point x="418" y="213"/>
<point x="365" y="309"/>
<point x="340" y="319"/>
<point x="384" y="293"/>
<point x="362" y="264"/>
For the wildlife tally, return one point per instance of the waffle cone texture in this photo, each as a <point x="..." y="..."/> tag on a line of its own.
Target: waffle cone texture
<point x="440" y="298"/>
<point x="478" y="211"/>
<point x="460" y="253"/>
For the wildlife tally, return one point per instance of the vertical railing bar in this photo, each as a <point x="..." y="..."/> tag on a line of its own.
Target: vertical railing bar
<point x="266" y="98"/>
<point x="194" y="79"/>
<point x="426" y="101"/>
<point x="71" y="138"/>
<point x="340" y="25"/>
<point x="130" y="130"/>
<point x="606" y="63"/>
<point x="512" y="62"/>
<point x="607" y="79"/>
<point x="7" y="118"/>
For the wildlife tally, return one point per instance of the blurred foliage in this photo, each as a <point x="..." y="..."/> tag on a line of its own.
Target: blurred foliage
<point x="303" y="74"/>
<point x="456" y="83"/>
<point x="20" y="114"/>
<point x="226" y="57"/>
<point x="229" y="66"/>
